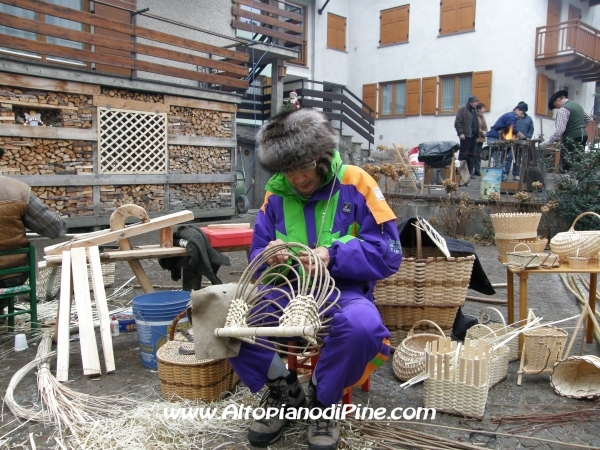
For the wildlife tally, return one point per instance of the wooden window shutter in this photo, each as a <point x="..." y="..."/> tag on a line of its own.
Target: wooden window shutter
<point x="448" y="16"/>
<point x="387" y="27"/>
<point x="331" y="34"/>
<point x="341" y="33"/>
<point x="413" y="97"/>
<point x="115" y="14"/>
<point x="428" y="100"/>
<point x="370" y="98"/>
<point x="541" y="95"/>
<point x="481" y="86"/>
<point x="402" y="23"/>
<point x="465" y="15"/>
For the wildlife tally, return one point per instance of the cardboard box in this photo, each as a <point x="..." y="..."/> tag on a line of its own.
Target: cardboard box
<point x="228" y="237"/>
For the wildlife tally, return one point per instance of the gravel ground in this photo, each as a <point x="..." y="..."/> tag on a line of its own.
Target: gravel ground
<point x="547" y="296"/>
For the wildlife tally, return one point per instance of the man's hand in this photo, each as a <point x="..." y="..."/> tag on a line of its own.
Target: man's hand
<point x="280" y="257"/>
<point x="520" y="135"/>
<point x="323" y="255"/>
<point x="461" y="136"/>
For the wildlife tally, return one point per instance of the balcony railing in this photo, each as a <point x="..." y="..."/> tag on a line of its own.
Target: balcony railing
<point x="216" y="68"/>
<point x="571" y="47"/>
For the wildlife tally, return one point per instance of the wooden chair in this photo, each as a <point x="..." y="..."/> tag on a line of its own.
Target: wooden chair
<point x="25" y="289"/>
<point x="403" y="160"/>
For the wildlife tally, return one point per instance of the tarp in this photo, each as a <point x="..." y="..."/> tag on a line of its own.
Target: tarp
<point x="437" y="154"/>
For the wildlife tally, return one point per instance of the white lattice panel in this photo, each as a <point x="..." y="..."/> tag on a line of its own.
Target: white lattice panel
<point x="132" y="141"/>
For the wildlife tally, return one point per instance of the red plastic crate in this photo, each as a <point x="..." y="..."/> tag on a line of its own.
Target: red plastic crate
<point x="228" y="237"/>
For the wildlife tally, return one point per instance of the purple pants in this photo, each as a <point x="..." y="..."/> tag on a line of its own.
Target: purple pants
<point x="355" y="337"/>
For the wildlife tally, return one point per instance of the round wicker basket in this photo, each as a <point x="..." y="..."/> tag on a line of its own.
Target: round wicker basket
<point x="580" y="243"/>
<point x="409" y="358"/>
<point x="577" y="377"/>
<point x="516" y="225"/>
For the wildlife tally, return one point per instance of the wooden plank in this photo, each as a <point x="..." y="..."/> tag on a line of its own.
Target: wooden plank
<point x="101" y="308"/>
<point x="290" y="26"/>
<point x="44" y="28"/>
<point x="91" y="179"/>
<point x="267" y="32"/>
<point x="201" y="141"/>
<point x="189" y="44"/>
<point x="63" y="320"/>
<point x="188" y="74"/>
<point x="83" y="302"/>
<point x="38" y="105"/>
<point x="13" y="130"/>
<point x="112" y="236"/>
<point x="12" y="79"/>
<point x="149" y="50"/>
<point x="272" y="9"/>
<point x="200" y="104"/>
<point x="71" y="14"/>
<point x="133" y="105"/>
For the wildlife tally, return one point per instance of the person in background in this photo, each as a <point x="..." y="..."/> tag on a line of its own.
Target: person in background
<point x="483" y="128"/>
<point x="20" y="209"/>
<point x="339" y="211"/>
<point x="524" y="126"/>
<point x="505" y="123"/>
<point x="466" y="125"/>
<point x="571" y="121"/>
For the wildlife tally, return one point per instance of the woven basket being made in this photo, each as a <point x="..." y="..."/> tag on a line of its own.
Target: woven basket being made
<point x="543" y="346"/>
<point x="186" y="377"/>
<point x="570" y="242"/>
<point x="409" y="358"/>
<point x="498" y="329"/>
<point x="577" y="377"/>
<point x="499" y="363"/>
<point x="516" y="225"/>
<point x="523" y="259"/>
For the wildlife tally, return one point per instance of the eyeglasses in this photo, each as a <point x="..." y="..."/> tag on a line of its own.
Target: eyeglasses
<point x="304" y="168"/>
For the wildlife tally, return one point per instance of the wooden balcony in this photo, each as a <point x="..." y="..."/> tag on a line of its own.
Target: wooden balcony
<point x="571" y="48"/>
<point x="132" y="53"/>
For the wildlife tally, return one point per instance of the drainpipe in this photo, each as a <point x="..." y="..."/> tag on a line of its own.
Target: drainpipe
<point x="320" y="11"/>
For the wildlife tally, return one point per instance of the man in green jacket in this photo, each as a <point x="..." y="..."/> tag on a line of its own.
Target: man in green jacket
<point x="571" y="121"/>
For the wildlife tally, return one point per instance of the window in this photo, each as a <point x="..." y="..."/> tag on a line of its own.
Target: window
<point x="400" y="98"/>
<point x="456" y="89"/>
<point x="393" y="26"/>
<point x="545" y="87"/>
<point x="336" y="32"/>
<point x="457" y="16"/>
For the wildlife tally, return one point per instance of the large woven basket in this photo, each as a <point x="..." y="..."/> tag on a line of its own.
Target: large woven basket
<point x="186" y="377"/>
<point x="409" y="358"/>
<point x="577" y="377"/>
<point x="516" y="225"/>
<point x="569" y="243"/>
<point x="497" y="329"/>
<point x="543" y="346"/>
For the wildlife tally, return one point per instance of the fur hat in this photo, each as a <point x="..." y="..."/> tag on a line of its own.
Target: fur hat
<point x="291" y="139"/>
<point x="554" y="97"/>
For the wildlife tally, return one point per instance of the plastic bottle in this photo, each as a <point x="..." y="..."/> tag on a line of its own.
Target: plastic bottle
<point x="114" y="326"/>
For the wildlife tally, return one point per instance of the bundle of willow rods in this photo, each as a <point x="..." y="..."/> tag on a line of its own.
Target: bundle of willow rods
<point x="580" y="292"/>
<point x="533" y="422"/>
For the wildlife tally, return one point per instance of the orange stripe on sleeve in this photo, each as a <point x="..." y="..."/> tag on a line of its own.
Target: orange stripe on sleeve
<point x="368" y="187"/>
<point x="265" y="201"/>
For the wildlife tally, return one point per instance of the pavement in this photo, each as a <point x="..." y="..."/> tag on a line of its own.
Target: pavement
<point x="547" y="296"/>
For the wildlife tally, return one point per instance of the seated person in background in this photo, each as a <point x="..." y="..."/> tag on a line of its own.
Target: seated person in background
<point x="339" y="211"/>
<point x="20" y="209"/>
<point x="505" y="124"/>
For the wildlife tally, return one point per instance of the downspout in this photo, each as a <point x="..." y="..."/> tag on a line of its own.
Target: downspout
<point x="320" y="11"/>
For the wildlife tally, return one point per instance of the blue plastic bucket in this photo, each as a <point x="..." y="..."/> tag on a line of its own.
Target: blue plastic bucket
<point x="490" y="181"/>
<point x="154" y="314"/>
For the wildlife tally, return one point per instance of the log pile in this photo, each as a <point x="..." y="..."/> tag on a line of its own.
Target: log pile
<point x="191" y="159"/>
<point x="151" y="197"/>
<point x="199" y="122"/>
<point x="199" y="196"/>
<point x="46" y="157"/>
<point x="69" y="201"/>
<point x="74" y="110"/>
<point x="133" y="95"/>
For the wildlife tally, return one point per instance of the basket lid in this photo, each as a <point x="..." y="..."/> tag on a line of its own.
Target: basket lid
<point x="169" y="353"/>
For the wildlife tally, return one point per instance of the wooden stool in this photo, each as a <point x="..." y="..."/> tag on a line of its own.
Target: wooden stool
<point x="309" y="363"/>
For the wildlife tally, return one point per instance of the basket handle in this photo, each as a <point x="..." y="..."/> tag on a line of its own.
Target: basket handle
<point x="411" y="331"/>
<point x="493" y="309"/>
<point x="519" y="244"/>
<point x="179" y="316"/>
<point x="580" y="216"/>
<point x="488" y="328"/>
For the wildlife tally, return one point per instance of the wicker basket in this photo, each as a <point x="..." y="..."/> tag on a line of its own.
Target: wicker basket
<point x="543" y="346"/>
<point x="523" y="259"/>
<point x="569" y="242"/>
<point x="578" y="262"/>
<point x="409" y="358"/>
<point x="186" y="377"/>
<point x="499" y="363"/>
<point x="399" y="319"/>
<point x="498" y="329"/>
<point x="577" y="377"/>
<point x="548" y="260"/>
<point x="516" y="225"/>
<point x="508" y="245"/>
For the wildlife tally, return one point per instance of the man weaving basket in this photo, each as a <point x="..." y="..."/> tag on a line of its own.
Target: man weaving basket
<point x="339" y="211"/>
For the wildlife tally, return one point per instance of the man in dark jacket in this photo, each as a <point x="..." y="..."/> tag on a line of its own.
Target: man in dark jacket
<point x="523" y="126"/>
<point x="467" y="129"/>
<point x="571" y="122"/>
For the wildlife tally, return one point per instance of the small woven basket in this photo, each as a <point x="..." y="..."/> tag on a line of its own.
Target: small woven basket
<point x="516" y="225"/>
<point x="497" y="329"/>
<point x="577" y="377"/>
<point x="578" y="262"/>
<point x="409" y="358"/>
<point x="548" y="260"/>
<point x="543" y="346"/>
<point x="523" y="259"/>
<point x="569" y="242"/>
<point x="536" y="245"/>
